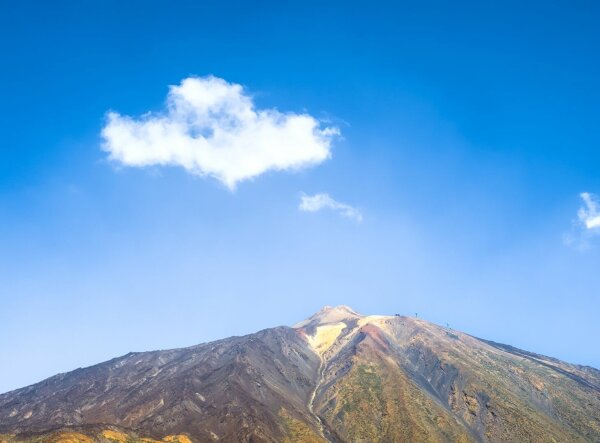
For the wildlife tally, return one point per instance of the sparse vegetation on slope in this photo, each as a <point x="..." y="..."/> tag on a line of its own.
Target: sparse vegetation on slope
<point x="91" y="435"/>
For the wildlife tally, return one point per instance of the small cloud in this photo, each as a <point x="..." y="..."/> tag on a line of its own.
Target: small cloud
<point x="212" y="128"/>
<point x="587" y="224"/>
<point x="317" y="202"/>
<point x="589" y="213"/>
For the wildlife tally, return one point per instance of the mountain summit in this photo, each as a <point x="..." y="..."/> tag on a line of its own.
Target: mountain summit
<point x="338" y="376"/>
<point x="330" y="314"/>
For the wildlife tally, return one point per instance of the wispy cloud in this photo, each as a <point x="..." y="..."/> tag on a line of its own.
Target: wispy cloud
<point x="212" y="128"/>
<point x="589" y="213"/>
<point x="587" y="224"/>
<point x="318" y="202"/>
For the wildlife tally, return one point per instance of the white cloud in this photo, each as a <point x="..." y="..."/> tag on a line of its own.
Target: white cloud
<point x="317" y="202"/>
<point x="587" y="225"/>
<point x="212" y="128"/>
<point x="589" y="213"/>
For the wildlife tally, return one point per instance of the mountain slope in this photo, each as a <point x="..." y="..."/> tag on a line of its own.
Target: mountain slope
<point x="233" y="388"/>
<point x="404" y="379"/>
<point x="337" y="376"/>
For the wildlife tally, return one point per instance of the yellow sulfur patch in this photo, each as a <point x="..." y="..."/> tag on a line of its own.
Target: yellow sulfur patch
<point x="177" y="439"/>
<point x="325" y="336"/>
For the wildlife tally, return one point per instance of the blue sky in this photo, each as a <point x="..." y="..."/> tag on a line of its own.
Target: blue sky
<point x="467" y="135"/>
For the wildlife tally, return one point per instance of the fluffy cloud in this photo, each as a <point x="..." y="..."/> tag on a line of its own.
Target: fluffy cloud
<point x="211" y="128"/>
<point x="589" y="213"/>
<point x="317" y="202"/>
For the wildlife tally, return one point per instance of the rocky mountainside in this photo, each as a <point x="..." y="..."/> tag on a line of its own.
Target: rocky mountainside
<point x="337" y="376"/>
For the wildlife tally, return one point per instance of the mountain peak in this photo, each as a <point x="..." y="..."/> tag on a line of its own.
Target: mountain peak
<point x="330" y="314"/>
<point x="339" y="309"/>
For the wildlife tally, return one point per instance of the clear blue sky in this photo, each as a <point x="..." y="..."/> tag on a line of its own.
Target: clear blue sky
<point x="468" y="133"/>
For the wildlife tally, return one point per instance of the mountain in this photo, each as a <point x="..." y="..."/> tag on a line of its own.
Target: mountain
<point x="338" y="376"/>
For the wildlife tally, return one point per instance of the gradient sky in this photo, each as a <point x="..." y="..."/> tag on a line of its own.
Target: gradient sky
<point x="468" y="133"/>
